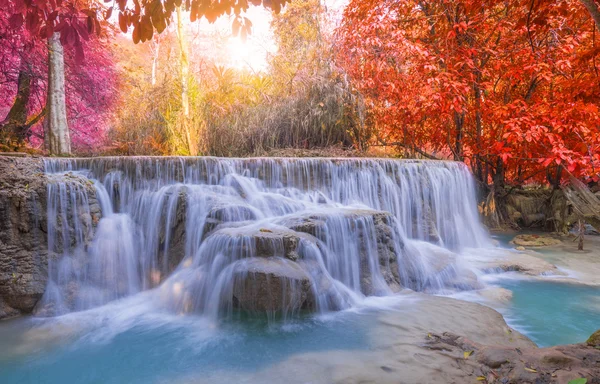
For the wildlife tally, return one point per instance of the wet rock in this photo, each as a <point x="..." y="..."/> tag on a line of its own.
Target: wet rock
<point x="534" y="240"/>
<point x="227" y="213"/>
<point x="271" y="285"/>
<point x="277" y="242"/>
<point x="23" y="242"/>
<point x="367" y="226"/>
<point x="527" y="263"/>
<point x="24" y="227"/>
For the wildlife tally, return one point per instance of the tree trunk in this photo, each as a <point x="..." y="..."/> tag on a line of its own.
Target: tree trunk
<point x="184" y="72"/>
<point x="459" y="119"/>
<point x="14" y="126"/>
<point x="593" y="9"/>
<point x="581" y="235"/>
<point x="155" y="56"/>
<point x="56" y="136"/>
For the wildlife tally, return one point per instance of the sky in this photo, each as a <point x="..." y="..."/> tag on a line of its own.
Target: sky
<point x="216" y="42"/>
<point x="253" y="53"/>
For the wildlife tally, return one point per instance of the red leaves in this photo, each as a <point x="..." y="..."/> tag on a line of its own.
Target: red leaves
<point x="241" y="26"/>
<point x="157" y="16"/>
<point x="123" y="22"/>
<point x="522" y="92"/>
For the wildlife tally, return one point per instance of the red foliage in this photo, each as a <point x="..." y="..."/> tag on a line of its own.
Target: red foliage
<point x="511" y="87"/>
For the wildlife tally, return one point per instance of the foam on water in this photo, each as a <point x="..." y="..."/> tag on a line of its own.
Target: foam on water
<point x="193" y="228"/>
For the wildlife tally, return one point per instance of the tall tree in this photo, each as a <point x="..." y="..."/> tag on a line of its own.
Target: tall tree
<point x="184" y="75"/>
<point x="57" y="138"/>
<point x="509" y="87"/>
<point x="25" y="60"/>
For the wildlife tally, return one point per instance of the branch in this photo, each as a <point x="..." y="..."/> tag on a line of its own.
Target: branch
<point x="383" y="143"/>
<point x="593" y="9"/>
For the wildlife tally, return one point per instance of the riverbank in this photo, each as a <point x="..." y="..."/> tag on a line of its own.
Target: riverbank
<point x="559" y="261"/>
<point x="429" y="339"/>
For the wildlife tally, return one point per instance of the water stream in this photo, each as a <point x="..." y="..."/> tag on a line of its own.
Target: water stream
<point x="207" y="233"/>
<point x="167" y="267"/>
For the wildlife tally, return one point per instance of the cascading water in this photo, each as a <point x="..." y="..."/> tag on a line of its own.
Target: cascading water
<point x="268" y="235"/>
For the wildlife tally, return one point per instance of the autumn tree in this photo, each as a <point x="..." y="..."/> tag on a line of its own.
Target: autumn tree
<point x="510" y="87"/>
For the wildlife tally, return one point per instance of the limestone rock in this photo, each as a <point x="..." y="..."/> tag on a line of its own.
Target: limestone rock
<point x="534" y="240"/>
<point x="24" y="226"/>
<point x="318" y="224"/>
<point x="497" y="294"/>
<point x="23" y="244"/>
<point x="271" y="285"/>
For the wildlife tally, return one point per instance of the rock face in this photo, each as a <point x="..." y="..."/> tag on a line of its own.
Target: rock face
<point x="23" y="250"/>
<point x="24" y="230"/>
<point x="281" y="277"/>
<point x="359" y="221"/>
<point x="272" y="285"/>
<point x="505" y="364"/>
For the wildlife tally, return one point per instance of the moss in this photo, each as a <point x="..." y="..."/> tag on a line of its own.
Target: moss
<point x="594" y="340"/>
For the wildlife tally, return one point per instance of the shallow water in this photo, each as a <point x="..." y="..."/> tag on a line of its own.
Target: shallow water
<point x="157" y="347"/>
<point x="553" y="313"/>
<point x="130" y="341"/>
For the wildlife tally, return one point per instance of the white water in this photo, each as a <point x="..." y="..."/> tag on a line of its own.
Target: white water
<point x="191" y="229"/>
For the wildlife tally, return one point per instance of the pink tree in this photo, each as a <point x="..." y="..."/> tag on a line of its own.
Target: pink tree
<point x="24" y="79"/>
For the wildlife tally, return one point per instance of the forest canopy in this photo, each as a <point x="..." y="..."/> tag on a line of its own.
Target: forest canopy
<point x="511" y="88"/>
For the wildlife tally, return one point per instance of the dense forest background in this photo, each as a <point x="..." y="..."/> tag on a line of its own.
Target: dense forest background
<point x="511" y="88"/>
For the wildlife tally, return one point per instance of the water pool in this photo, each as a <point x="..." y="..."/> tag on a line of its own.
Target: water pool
<point x="553" y="313"/>
<point x="157" y="348"/>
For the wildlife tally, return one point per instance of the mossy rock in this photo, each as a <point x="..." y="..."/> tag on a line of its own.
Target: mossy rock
<point x="534" y="241"/>
<point x="594" y="340"/>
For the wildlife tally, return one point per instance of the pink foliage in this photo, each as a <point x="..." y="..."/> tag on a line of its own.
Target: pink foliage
<point x="91" y="82"/>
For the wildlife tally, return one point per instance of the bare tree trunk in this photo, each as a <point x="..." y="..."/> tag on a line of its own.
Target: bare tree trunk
<point x="593" y="9"/>
<point x="14" y="126"/>
<point x="459" y="119"/>
<point x="581" y="234"/>
<point x="56" y="136"/>
<point x="155" y="55"/>
<point x="184" y="68"/>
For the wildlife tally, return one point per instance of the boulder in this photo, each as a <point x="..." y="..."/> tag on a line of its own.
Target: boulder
<point x="534" y="241"/>
<point x="321" y="224"/>
<point x="262" y="241"/>
<point x="272" y="285"/>
<point x="277" y="243"/>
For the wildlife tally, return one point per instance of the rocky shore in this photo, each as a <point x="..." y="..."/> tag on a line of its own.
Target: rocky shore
<point x="428" y="339"/>
<point x="24" y="249"/>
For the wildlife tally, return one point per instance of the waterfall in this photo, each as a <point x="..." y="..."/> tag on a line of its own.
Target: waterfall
<point x="279" y="236"/>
